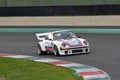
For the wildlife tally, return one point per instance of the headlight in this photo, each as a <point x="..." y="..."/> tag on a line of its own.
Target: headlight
<point x="63" y="45"/>
<point x="85" y="42"/>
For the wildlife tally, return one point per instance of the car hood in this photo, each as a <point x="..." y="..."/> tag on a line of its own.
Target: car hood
<point x="72" y="42"/>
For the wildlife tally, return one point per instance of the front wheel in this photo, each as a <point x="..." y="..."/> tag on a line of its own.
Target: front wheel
<point x="56" y="52"/>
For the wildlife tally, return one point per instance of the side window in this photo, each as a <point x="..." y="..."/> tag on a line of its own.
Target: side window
<point x="46" y="37"/>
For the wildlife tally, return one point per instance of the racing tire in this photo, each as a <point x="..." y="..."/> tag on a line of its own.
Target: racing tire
<point x="56" y="52"/>
<point x="39" y="50"/>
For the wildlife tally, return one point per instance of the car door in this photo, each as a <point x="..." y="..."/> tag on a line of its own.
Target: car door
<point x="49" y="44"/>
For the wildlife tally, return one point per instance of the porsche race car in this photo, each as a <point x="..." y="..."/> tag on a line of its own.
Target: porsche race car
<point x="61" y="43"/>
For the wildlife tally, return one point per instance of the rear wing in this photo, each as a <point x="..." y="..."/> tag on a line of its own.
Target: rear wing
<point x="41" y="36"/>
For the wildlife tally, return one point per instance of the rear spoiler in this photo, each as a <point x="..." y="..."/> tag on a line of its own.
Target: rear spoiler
<point x="41" y="36"/>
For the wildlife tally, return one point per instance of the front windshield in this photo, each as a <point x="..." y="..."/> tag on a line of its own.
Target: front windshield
<point x="63" y="35"/>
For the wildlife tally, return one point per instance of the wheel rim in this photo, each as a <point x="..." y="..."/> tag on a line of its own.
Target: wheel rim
<point x="55" y="50"/>
<point x="39" y="51"/>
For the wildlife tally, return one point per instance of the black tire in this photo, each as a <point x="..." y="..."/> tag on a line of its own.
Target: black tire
<point x="56" y="52"/>
<point x="39" y="51"/>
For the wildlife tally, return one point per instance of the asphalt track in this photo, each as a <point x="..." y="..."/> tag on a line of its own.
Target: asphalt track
<point x="104" y="50"/>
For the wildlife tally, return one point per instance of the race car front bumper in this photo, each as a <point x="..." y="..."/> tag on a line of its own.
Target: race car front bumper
<point x="77" y="50"/>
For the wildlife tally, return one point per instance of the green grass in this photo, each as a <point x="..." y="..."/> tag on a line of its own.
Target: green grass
<point x="55" y="2"/>
<point x="21" y="69"/>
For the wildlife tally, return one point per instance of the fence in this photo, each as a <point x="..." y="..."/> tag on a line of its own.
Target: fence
<point x="14" y="3"/>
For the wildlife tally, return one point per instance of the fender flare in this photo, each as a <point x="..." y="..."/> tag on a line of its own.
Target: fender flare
<point x="58" y="47"/>
<point x="41" y="44"/>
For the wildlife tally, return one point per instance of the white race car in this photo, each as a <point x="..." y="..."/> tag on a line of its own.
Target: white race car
<point x="61" y="43"/>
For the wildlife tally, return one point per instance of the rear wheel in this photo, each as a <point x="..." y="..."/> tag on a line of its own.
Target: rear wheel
<point x="39" y="50"/>
<point x="56" y="52"/>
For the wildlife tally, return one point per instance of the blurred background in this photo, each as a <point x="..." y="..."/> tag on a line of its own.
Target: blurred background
<point x="12" y="3"/>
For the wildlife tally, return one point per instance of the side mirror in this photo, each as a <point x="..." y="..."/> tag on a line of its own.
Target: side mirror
<point x="78" y="36"/>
